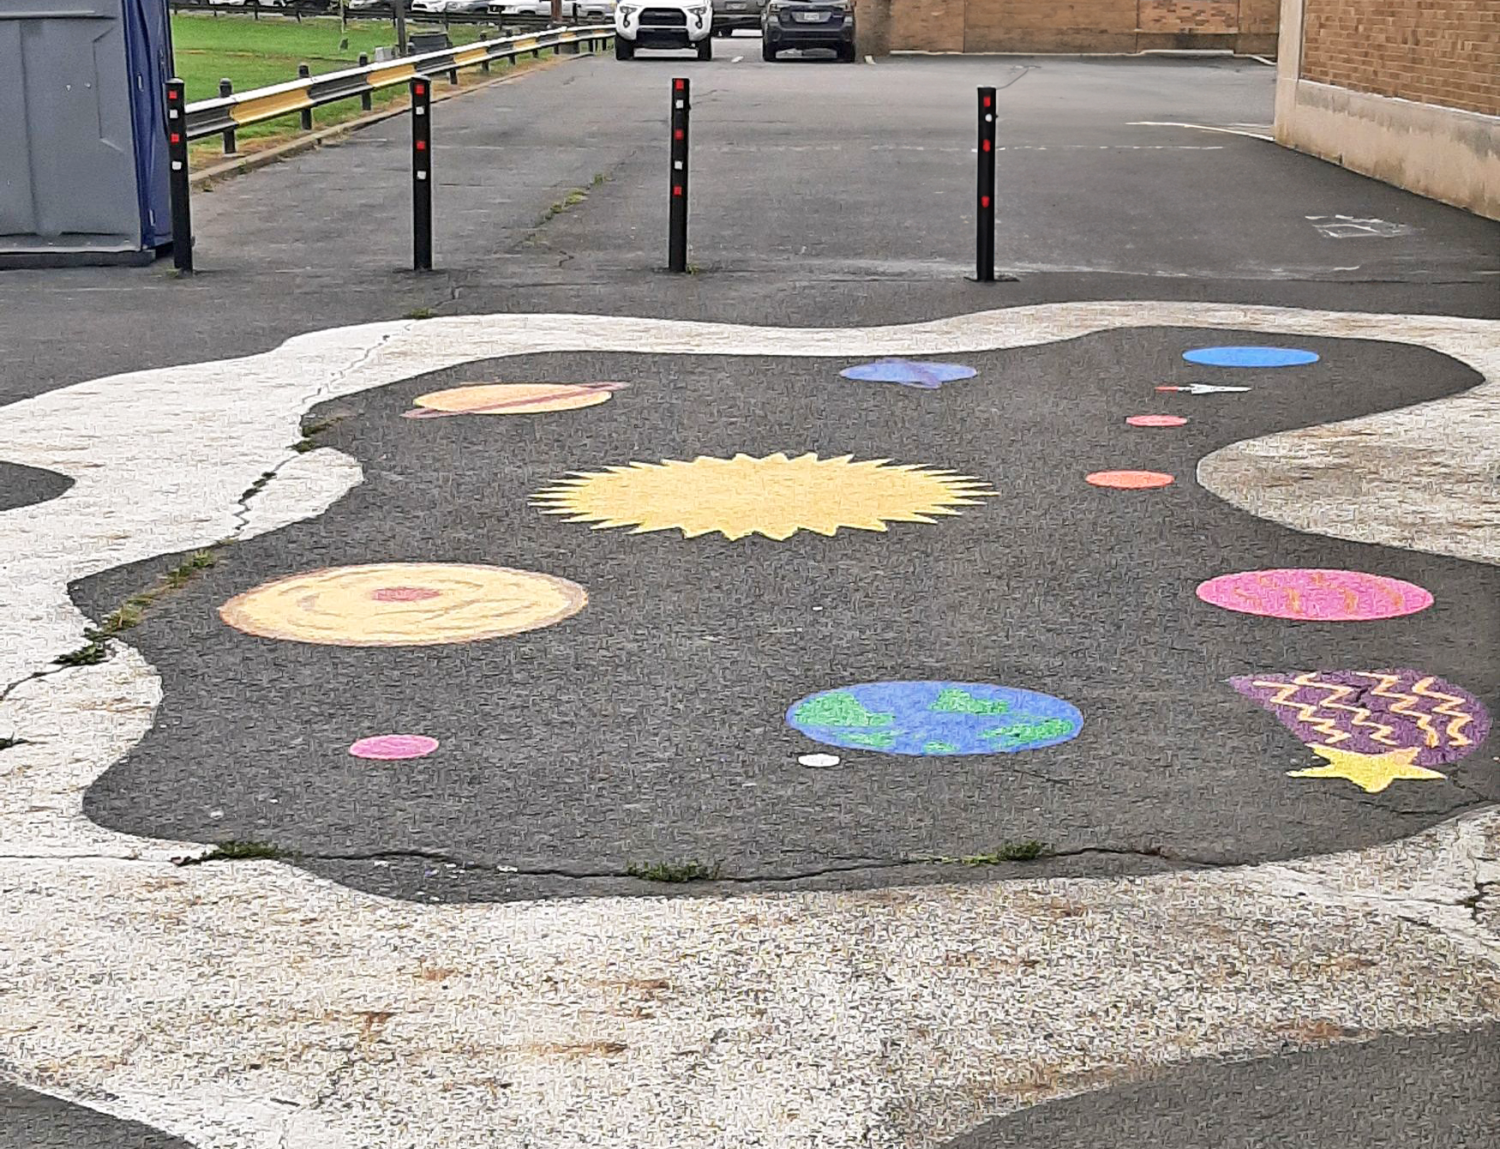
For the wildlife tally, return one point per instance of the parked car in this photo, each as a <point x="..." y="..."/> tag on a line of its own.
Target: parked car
<point x="367" y="6"/>
<point x="808" y="24"/>
<point x="663" y="24"/>
<point x="574" y="10"/>
<point x="732" y="14"/>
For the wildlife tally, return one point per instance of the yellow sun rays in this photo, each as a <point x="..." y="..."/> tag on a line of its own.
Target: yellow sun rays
<point x="774" y="496"/>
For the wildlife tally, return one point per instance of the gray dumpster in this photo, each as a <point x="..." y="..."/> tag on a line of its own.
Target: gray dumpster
<point x="83" y="168"/>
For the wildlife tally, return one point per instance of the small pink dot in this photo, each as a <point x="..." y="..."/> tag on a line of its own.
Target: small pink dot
<point x="1156" y="420"/>
<point x="403" y="593"/>
<point x="391" y="747"/>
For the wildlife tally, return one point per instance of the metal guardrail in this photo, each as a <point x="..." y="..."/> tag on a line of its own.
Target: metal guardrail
<point x="210" y="117"/>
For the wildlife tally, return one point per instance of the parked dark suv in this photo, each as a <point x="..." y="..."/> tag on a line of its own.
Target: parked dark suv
<point x="808" y="24"/>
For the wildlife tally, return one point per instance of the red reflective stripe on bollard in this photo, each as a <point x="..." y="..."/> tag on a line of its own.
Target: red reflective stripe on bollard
<point x="984" y="201"/>
<point x="421" y="145"/>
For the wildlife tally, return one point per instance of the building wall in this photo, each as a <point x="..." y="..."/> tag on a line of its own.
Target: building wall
<point x="1407" y="91"/>
<point x="1446" y="54"/>
<point x="1082" y="25"/>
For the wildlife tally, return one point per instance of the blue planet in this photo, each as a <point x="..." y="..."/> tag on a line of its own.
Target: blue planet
<point x="935" y="718"/>
<point x="909" y="373"/>
<point x="1251" y="357"/>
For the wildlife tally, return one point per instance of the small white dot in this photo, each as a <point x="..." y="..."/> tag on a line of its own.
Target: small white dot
<point x="819" y="761"/>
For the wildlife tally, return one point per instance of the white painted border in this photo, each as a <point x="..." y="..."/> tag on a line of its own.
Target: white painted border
<point x="173" y="996"/>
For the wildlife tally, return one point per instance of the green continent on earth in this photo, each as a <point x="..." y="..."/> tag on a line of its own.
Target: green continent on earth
<point x="874" y="741"/>
<point x="1023" y="732"/>
<point x="953" y="701"/>
<point x="939" y="748"/>
<point x="840" y="708"/>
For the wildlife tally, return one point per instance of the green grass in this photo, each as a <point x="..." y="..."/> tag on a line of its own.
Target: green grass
<point x="256" y="53"/>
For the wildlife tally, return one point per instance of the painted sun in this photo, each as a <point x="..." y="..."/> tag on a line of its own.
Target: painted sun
<point x="774" y="496"/>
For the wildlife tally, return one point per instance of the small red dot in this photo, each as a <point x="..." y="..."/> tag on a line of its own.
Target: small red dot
<point x="679" y="84"/>
<point x="676" y="189"/>
<point x="984" y="201"/>
<point x="678" y="134"/>
<point x="986" y="145"/>
<point x="421" y="145"/>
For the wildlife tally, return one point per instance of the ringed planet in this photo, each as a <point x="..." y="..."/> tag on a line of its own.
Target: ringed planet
<point x="512" y="399"/>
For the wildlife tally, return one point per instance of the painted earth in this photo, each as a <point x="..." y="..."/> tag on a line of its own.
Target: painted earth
<point x="935" y="718"/>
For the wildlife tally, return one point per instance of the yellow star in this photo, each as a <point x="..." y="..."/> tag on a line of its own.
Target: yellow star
<point x="1371" y="772"/>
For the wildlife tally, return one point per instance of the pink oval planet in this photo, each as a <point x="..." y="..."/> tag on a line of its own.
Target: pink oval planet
<point x="1309" y="595"/>
<point x="1129" y="480"/>
<point x="1155" y="420"/>
<point x="392" y="747"/>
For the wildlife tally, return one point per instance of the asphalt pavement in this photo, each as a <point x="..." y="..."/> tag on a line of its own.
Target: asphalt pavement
<point x="651" y="727"/>
<point x="1426" y="1091"/>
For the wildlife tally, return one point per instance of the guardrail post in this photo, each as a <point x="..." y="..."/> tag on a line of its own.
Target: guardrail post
<point x="677" y="234"/>
<point x="177" y="157"/>
<point x="303" y="72"/>
<point x="421" y="173"/>
<point x="366" y="98"/>
<point x="226" y="89"/>
<point x="984" y="241"/>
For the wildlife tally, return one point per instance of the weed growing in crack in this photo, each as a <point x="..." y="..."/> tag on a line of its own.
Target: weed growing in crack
<point x="7" y="743"/>
<point x="419" y="313"/>
<point x="310" y="433"/>
<point x="256" y="487"/>
<point x="675" y="872"/>
<point x="239" y="851"/>
<point x="1027" y="851"/>
<point x="599" y="179"/>
<point x="95" y="651"/>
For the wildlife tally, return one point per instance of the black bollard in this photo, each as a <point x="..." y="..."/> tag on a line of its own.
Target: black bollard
<point x="177" y="157"/>
<point x="421" y="173"/>
<point x="366" y="98"/>
<point x="984" y="247"/>
<point x="677" y="236"/>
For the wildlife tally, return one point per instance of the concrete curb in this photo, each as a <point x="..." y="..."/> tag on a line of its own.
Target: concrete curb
<point x="254" y="160"/>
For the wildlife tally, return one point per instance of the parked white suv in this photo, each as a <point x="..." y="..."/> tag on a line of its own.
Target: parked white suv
<point x="663" y="24"/>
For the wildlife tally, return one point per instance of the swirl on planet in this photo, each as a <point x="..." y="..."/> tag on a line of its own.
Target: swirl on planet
<point x="909" y="373"/>
<point x="403" y="604"/>
<point x="1373" y="712"/>
<point x="1301" y="594"/>
<point x="511" y="399"/>
<point x="935" y="719"/>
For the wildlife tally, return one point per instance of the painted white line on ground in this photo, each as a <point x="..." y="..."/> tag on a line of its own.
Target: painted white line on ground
<point x="1201" y="128"/>
<point x="253" y="1005"/>
<point x="736" y="60"/>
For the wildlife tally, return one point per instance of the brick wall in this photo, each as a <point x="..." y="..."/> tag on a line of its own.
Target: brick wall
<point x="1434" y="53"/>
<point x="1189" y="16"/>
<point x="1083" y="25"/>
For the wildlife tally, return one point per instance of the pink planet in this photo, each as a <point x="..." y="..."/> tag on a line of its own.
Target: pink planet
<point x="392" y="747"/>
<point x="1309" y="595"/>
<point x="1155" y="420"/>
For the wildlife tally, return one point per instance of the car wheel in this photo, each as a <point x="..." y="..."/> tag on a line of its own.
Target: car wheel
<point x="706" y="48"/>
<point x="624" y="49"/>
<point x="768" y="50"/>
